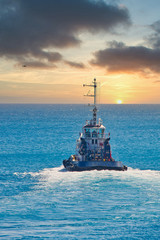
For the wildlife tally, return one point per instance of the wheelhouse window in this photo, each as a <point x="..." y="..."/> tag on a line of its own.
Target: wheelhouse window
<point x="87" y="132"/>
<point x="101" y="132"/>
<point x="94" y="133"/>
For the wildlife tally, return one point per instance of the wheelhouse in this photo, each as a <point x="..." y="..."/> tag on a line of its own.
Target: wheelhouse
<point x="94" y="131"/>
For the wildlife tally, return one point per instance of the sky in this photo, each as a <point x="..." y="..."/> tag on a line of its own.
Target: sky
<point x="48" y="49"/>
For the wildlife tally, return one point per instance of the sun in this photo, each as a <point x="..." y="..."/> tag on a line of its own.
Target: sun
<point x="119" y="101"/>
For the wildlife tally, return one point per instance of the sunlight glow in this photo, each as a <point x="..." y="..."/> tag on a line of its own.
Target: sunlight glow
<point x="119" y="101"/>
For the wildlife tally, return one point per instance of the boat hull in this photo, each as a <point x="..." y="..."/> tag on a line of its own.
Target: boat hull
<point x="93" y="165"/>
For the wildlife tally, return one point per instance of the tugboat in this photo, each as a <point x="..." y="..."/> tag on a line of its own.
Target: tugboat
<point x="93" y="151"/>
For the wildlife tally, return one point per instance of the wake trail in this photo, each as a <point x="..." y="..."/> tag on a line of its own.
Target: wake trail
<point x="60" y="174"/>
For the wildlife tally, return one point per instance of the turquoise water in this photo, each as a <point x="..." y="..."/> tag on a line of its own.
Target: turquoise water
<point x="40" y="200"/>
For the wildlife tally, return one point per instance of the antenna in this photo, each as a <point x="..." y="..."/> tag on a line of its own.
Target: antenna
<point x="93" y="95"/>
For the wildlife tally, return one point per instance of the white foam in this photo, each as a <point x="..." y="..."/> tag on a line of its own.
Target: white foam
<point x="144" y="174"/>
<point x="61" y="176"/>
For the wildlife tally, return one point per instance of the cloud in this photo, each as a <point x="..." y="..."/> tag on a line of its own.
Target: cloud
<point x="154" y="38"/>
<point x="41" y="60"/>
<point x="31" y="28"/>
<point x="121" y="58"/>
<point x="36" y="64"/>
<point x="75" y="64"/>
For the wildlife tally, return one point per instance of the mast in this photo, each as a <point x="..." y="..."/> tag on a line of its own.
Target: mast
<point x="95" y="100"/>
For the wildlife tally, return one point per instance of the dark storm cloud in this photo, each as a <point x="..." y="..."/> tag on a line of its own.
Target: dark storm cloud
<point x="121" y="58"/>
<point x="29" y="27"/>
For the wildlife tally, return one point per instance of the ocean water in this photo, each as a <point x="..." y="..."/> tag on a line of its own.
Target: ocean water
<point x="41" y="200"/>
